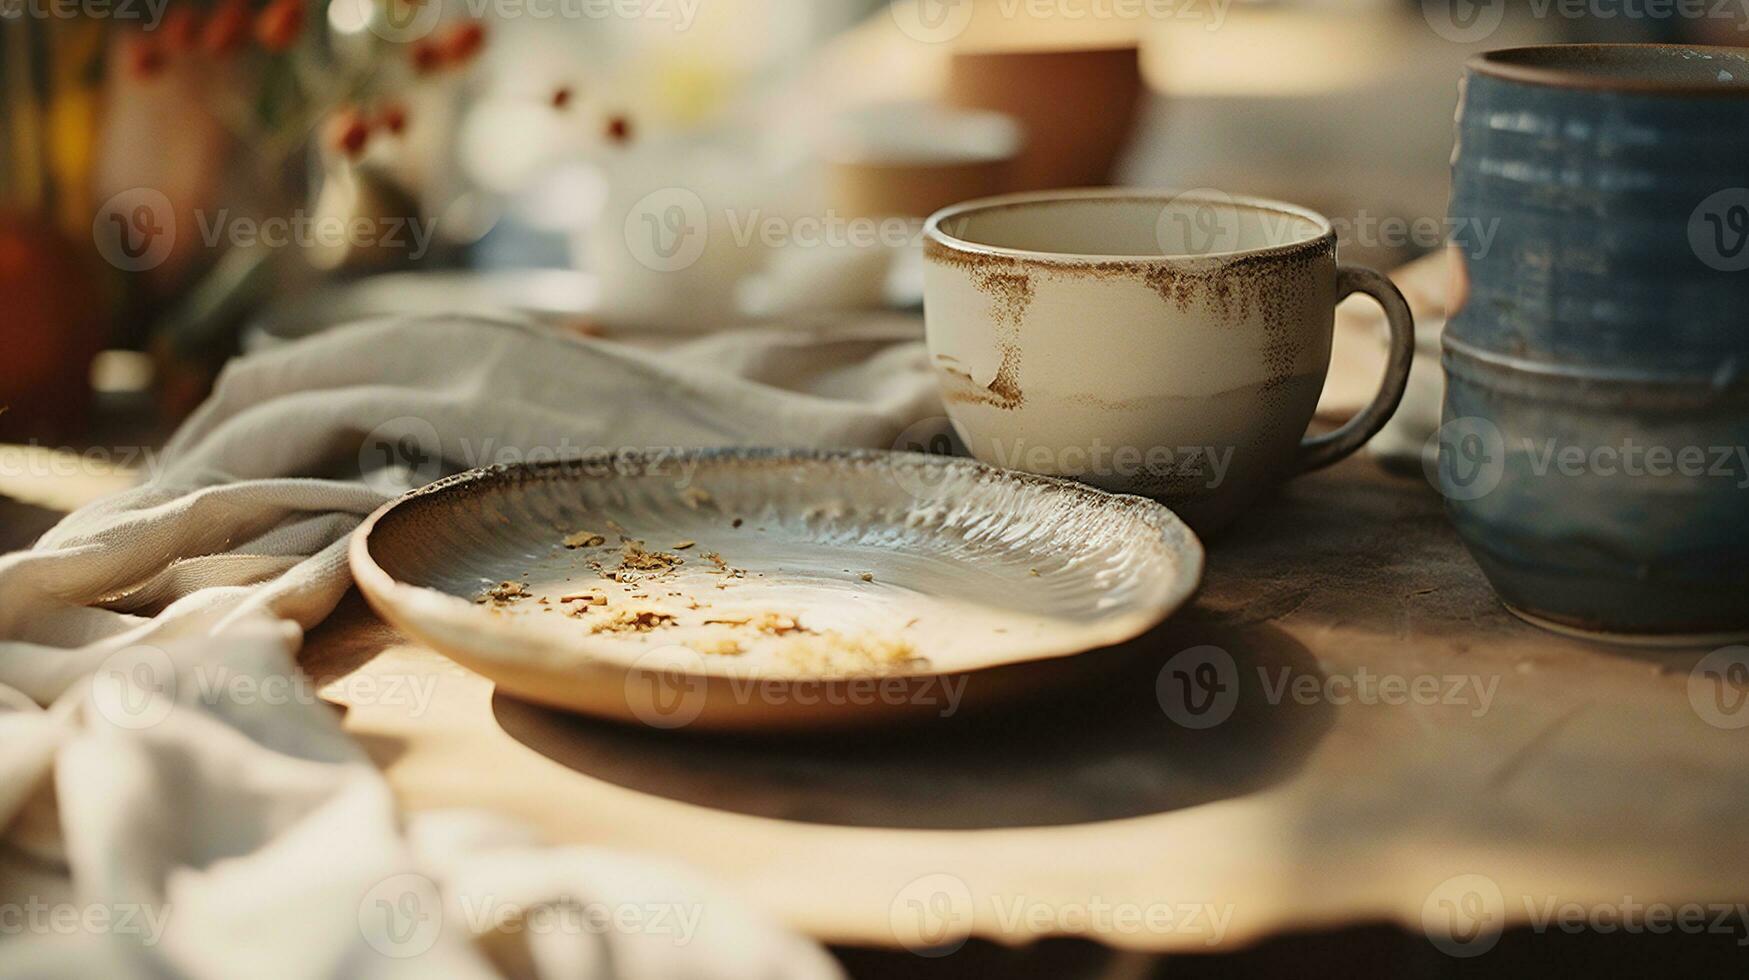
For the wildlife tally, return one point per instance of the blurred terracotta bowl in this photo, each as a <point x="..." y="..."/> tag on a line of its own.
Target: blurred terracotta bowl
<point x="1077" y="107"/>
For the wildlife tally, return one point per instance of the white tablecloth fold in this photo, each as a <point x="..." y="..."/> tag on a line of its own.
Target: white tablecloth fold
<point x="176" y="800"/>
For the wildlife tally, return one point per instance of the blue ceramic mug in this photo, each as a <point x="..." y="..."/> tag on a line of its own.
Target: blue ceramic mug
<point x="1595" y="451"/>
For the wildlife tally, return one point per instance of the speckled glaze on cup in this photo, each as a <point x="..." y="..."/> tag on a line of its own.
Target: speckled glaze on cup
<point x="1167" y="344"/>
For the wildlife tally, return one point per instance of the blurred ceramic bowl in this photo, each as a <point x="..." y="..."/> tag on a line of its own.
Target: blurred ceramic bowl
<point x="913" y="159"/>
<point x="1077" y="107"/>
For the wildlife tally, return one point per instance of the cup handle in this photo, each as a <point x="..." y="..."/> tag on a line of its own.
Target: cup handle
<point x="1318" y="452"/>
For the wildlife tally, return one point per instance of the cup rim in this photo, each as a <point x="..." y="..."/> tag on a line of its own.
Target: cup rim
<point x="932" y="230"/>
<point x="1551" y="65"/>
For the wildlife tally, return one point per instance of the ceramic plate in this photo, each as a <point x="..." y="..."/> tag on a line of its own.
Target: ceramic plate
<point x="768" y="589"/>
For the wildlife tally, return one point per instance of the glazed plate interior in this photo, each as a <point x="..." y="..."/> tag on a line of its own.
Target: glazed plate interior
<point x="572" y="583"/>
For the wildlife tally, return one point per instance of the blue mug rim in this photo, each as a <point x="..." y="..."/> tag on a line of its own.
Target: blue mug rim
<point x="1562" y="66"/>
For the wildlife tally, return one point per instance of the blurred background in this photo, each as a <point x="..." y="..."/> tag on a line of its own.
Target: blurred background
<point x="183" y="180"/>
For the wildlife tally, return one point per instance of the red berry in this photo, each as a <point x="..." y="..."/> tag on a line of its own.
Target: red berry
<point x="225" y="30"/>
<point x="619" y="129"/>
<point x="393" y="117"/>
<point x="348" y="133"/>
<point x="561" y="96"/>
<point x="278" y="25"/>
<point x="181" y="30"/>
<point x="463" y="41"/>
<point x="426" y="56"/>
<point x="145" y="57"/>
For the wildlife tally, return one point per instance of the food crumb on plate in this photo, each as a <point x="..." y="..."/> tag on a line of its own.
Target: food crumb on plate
<point x="503" y="594"/>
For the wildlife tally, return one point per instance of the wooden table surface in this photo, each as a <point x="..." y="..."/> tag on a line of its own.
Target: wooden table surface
<point x="1400" y="749"/>
<point x="1400" y="754"/>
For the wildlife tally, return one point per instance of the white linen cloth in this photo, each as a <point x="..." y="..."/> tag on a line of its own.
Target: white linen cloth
<point x="155" y="827"/>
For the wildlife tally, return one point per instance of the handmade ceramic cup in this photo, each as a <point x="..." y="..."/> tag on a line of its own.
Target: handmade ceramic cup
<point x="1166" y="344"/>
